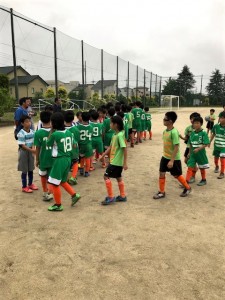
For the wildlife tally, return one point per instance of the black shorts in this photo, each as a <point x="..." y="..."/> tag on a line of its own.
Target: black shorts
<point x="113" y="171"/>
<point x="176" y="169"/>
<point x="209" y="125"/>
<point x="186" y="152"/>
<point x="130" y="131"/>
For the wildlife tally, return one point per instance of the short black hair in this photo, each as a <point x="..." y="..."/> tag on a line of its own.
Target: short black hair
<point x="129" y="108"/>
<point x="22" y="100"/>
<point x="91" y="110"/>
<point x="194" y="114"/>
<point x="212" y="109"/>
<point x="57" y="120"/>
<point x="109" y="105"/>
<point x="117" y="107"/>
<point x="102" y="109"/>
<point x="69" y="116"/>
<point x="48" y="107"/>
<point x="124" y="108"/>
<point x="138" y="103"/>
<point x="118" y="120"/>
<point x="85" y="116"/>
<point x="146" y="108"/>
<point x="95" y="115"/>
<point x="24" y="117"/>
<point x="198" y="119"/>
<point x="78" y="113"/>
<point x="56" y="99"/>
<point x="142" y="105"/>
<point x="111" y="112"/>
<point x="222" y="114"/>
<point x="171" y="115"/>
<point x="45" y="116"/>
<point x="120" y="114"/>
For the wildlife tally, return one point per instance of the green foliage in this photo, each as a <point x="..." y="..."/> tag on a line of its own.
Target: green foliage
<point x="37" y="95"/>
<point x="96" y="101"/>
<point x="185" y="81"/>
<point x="62" y="92"/>
<point x="171" y="87"/>
<point x="4" y="82"/>
<point x="6" y="101"/>
<point x="216" y="88"/>
<point x="49" y="93"/>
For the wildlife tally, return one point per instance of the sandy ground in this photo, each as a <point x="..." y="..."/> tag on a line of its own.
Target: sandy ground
<point x="142" y="249"/>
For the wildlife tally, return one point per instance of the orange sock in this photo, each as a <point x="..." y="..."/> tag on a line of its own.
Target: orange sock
<point x="44" y="184"/>
<point x="82" y="162"/>
<point x="122" y="189"/>
<point x="194" y="171"/>
<point x="182" y="180"/>
<point x="162" y="183"/>
<point x="145" y="134"/>
<point x="203" y="173"/>
<point x="150" y="135"/>
<point x="87" y="164"/>
<point x="222" y="161"/>
<point x="50" y="188"/>
<point x="57" y="194"/>
<point x="108" y="184"/>
<point x="75" y="170"/>
<point x="68" y="188"/>
<point x="216" y="161"/>
<point x="189" y="173"/>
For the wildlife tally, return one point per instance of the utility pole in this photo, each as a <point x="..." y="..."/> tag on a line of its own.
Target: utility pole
<point x="55" y="61"/>
<point x="82" y="57"/>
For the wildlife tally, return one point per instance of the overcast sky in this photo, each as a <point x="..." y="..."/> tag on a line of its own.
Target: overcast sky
<point x="160" y="36"/>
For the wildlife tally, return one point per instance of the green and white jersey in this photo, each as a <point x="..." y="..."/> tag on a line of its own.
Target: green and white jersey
<point x="198" y="139"/>
<point x="148" y="116"/>
<point x="106" y="126"/>
<point x="76" y="136"/>
<point x="97" y="130"/>
<point x="130" y="118"/>
<point x="40" y="141"/>
<point x="137" y="112"/>
<point x="86" y="132"/>
<point x="61" y="142"/>
<point x="219" y="132"/>
<point x="126" y="118"/>
<point x="143" y="116"/>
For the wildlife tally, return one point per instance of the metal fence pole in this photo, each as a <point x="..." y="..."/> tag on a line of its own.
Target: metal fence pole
<point x="160" y="86"/>
<point x="82" y="57"/>
<point x="14" y="56"/>
<point x="144" y="88"/>
<point x="150" y="91"/>
<point x="137" y="83"/>
<point x="102" y="79"/>
<point x="55" y="62"/>
<point x="85" y="73"/>
<point x="156" y="77"/>
<point x="117" y="77"/>
<point x="128" y="79"/>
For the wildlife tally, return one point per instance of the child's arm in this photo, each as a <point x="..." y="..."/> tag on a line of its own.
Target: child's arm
<point x="200" y="148"/>
<point x="24" y="147"/>
<point x="105" y="153"/>
<point x="211" y="139"/>
<point x="37" y="156"/>
<point x="125" y="167"/>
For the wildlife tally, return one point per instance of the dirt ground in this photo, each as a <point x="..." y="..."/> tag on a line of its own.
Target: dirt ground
<point x="142" y="249"/>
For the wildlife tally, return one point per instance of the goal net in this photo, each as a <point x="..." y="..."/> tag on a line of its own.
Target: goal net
<point x="170" y="102"/>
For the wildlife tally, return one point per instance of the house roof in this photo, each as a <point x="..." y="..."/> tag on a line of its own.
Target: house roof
<point x="27" y="79"/>
<point x="9" y="69"/>
<point x="82" y="86"/>
<point x="106" y="83"/>
<point x="52" y="82"/>
<point x="141" y="87"/>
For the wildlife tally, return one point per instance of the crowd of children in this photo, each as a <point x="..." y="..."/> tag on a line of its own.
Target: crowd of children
<point x="63" y="146"/>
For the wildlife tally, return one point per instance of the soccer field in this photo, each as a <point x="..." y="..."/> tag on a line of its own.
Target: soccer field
<point x="142" y="249"/>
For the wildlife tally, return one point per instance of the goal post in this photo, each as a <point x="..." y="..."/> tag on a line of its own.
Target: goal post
<point x="170" y="102"/>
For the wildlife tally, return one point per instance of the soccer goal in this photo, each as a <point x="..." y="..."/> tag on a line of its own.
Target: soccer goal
<point x="170" y="102"/>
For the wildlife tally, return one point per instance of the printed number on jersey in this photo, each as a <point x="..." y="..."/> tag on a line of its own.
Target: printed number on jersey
<point x="67" y="144"/>
<point x="85" y="134"/>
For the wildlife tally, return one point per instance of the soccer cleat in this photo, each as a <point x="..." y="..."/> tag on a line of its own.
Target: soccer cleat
<point x="221" y="176"/>
<point x="121" y="199"/>
<point x="75" y="198"/>
<point x="27" y="190"/>
<point x="82" y="172"/>
<point x="33" y="187"/>
<point x="55" y="207"/>
<point x="86" y="174"/>
<point x="185" y="192"/>
<point x="192" y="180"/>
<point x="47" y="196"/>
<point x="202" y="182"/>
<point x="216" y="170"/>
<point x="108" y="200"/>
<point x="159" y="195"/>
<point x="72" y="181"/>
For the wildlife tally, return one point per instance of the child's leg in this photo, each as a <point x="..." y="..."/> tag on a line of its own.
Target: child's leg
<point x="194" y="171"/>
<point x="108" y="184"/>
<point x="57" y="194"/>
<point x="121" y="187"/>
<point x="75" y="170"/>
<point x="189" y="173"/>
<point x="68" y="188"/>
<point x="184" y="182"/>
<point x="87" y="164"/>
<point x="216" y="161"/>
<point x="162" y="182"/>
<point x="82" y="166"/>
<point x="145" y="134"/>
<point x="24" y="179"/>
<point x="30" y="177"/>
<point x="103" y="161"/>
<point x="203" y="174"/>
<point x="150" y="134"/>
<point x="222" y="161"/>
<point x="44" y="184"/>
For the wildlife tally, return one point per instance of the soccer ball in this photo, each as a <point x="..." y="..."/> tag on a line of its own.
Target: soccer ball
<point x="207" y="118"/>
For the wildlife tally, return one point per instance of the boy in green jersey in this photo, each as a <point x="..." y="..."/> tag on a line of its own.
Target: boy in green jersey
<point x="61" y="141"/>
<point x="218" y="132"/>
<point x="148" y="123"/>
<point x="220" y="114"/>
<point x="97" y="143"/>
<point x="107" y="131"/>
<point x="170" y="161"/>
<point x="85" y="144"/>
<point x="143" y="120"/>
<point x="118" y="161"/>
<point x="125" y="123"/>
<point x="137" y="112"/>
<point x="198" y="141"/>
<point x="44" y="158"/>
<point x="130" y="118"/>
<point x="69" y="125"/>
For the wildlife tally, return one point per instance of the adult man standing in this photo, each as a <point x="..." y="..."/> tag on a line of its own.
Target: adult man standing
<point x="21" y="110"/>
<point x="57" y="107"/>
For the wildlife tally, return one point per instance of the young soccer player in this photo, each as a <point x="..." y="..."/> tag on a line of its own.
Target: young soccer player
<point x="85" y="144"/>
<point x="143" y="121"/>
<point x="61" y="141"/>
<point x="170" y="162"/>
<point x="97" y="143"/>
<point x="125" y="123"/>
<point x="26" y="159"/>
<point x="69" y="125"/>
<point x="221" y="113"/>
<point x="79" y="118"/>
<point x="130" y="118"/>
<point x="48" y="108"/>
<point x="102" y="114"/>
<point x="106" y="129"/>
<point x="148" y="123"/>
<point x="198" y="141"/>
<point x="212" y="118"/>
<point x="118" y="161"/>
<point x="218" y="132"/>
<point x="44" y="158"/>
<point x="137" y="112"/>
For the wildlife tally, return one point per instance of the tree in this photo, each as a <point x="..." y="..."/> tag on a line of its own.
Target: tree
<point x="49" y="93"/>
<point x="6" y="101"/>
<point x="37" y="95"/>
<point x="62" y="92"/>
<point x="216" y="88"/>
<point x="171" y="87"/>
<point x="185" y="81"/>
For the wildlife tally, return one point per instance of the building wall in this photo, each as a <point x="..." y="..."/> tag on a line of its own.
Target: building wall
<point x="20" y="72"/>
<point x="30" y="89"/>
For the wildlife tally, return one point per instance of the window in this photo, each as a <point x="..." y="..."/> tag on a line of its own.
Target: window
<point x="32" y="90"/>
